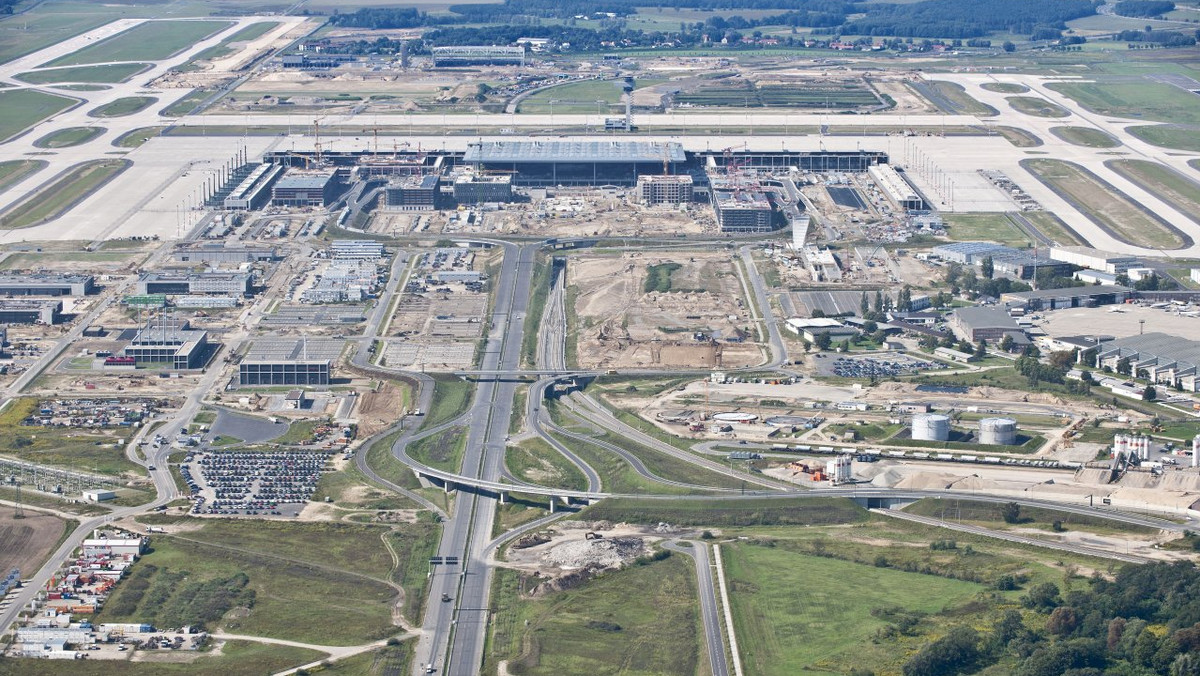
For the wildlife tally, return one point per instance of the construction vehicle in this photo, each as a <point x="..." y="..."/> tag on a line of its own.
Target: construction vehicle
<point x="592" y="535"/>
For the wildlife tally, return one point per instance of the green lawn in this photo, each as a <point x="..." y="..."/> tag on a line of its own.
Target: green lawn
<point x="537" y="462"/>
<point x="237" y="658"/>
<point x="51" y="201"/>
<point x="443" y="451"/>
<point x="185" y="105"/>
<point x="23" y="108"/>
<point x="48" y="24"/>
<point x="1167" y="184"/>
<point x="1153" y="101"/>
<point x="640" y="620"/>
<point x="990" y="227"/>
<point x="151" y="41"/>
<point x="71" y="136"/>
<point x="1085" y="136"/>
<point x="16" y="170"/>
<point x="1038" y="107"/>
<point x="109" y="72"/>
<point x="309" y="582"/>
<point x="1104" y="204"/>
<point x="797" y="614"/>
<point x="123" y="106"/>
<point x="577" y="97"/>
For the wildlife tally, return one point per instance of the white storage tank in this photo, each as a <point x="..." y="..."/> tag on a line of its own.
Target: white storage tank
<point x="930" y="427"/>
<point x="998" y="431"/>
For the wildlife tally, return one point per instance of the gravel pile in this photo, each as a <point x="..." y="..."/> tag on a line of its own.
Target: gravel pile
<point x="605" y="553"/>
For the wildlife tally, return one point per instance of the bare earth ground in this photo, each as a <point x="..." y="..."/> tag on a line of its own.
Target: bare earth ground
<point x="622" y="326"/>
<point x="25" y="543"/>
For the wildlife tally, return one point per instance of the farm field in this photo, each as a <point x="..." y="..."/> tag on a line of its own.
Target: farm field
<point x="22" y="108"/>
<point x="51" y="201"/>
<point x="1104" y="204"/>
<point x="1085" y="136"/>
<point x="123" y="106"/>
<point x="107" y="73"/>
<point x="151" y="41"/>
<point x="1169" y="185"/>
<point x="71" y="136"/>
<point x="25" y="543"/>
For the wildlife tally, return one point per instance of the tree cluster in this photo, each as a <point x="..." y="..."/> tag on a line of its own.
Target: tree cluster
<point x="1143" y="8"/>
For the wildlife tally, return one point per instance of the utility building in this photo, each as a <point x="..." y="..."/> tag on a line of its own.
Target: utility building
<point x="475" y="189"/>
<point x="167" y="340"/>
<point x="223" y="283"/>
<point x="274" y="362"/>
<point x="1086" y="257"/>
<point x="255" y="190"/>
<point x="30" y="311"/>
<point x="898" y="190"/>
<point x="314" y="189"/>
<point x="47" y="285"/>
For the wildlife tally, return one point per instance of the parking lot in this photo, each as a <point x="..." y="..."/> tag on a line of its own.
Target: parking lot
<point x="260" y="483"/>
<point x="875" y="366"/>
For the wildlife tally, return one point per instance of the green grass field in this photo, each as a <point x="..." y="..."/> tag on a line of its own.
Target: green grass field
<point x="151" y="41"/>
<point x="16" y="170"/>
<point x="1167" y="184"/>
<point x="1052" y="227"/>
<point x="990" y="227"/>
<point x="797" y="614"/>
<point x="51" y="201"/>
<point x="1104" y="204"/>
<point x="71" y="136"/>
<point x="311" y="582"/>
<point x="1038" y="107"/>
<point x="136" y="137"/>
<point x="640" y="620"/>
<point x="443" y="451"/>
<point x="537" y="462"/>
<point x="958" y="96"/>
<point x="1004" y="87"/>
<point x="123" y="106"/>
<point x="185" y="105"/>
<point x="1152" y="101"/>
<point x="1085" y="136"/>
<point x="577" y="97"/>
<point x="225" y="47"/>
<point x="451" y="397"/>
<point x="1167" y="136"/>
<point x="1020" y="138"/>
<point x="45" y="26"/>
<point x="107" y="73"/>
<point x="728" y="513"/>
<point x="22" y="108"/>
<point x="237" y="658"/>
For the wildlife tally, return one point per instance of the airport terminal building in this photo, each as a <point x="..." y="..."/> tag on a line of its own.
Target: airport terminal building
<point x="575" y="163"/>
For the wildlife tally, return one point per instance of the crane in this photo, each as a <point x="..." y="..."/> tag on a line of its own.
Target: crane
<point x="317" y="136"/>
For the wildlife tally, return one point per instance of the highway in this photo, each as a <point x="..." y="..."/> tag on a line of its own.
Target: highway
<point x="710" y="615"/>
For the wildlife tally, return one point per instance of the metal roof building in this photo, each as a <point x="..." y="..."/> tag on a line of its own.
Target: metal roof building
<point x="575" y="162"/>
<point x="1166" y="359"/>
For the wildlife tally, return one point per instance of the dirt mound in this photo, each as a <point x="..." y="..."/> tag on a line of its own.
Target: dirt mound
<point x="604" y="553"/>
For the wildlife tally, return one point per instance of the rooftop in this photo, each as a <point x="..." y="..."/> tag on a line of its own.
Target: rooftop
<point x="1070" y="292"/>
<point x="294" y="350"/>
<point x="985" y="317"/>
<point x="1162" y="345"/>
<point x="1088" y="251"/>
<point x="614" y="152"/>
<point x="304" y="181"/>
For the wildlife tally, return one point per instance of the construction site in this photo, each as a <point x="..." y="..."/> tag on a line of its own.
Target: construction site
<point x="639" y="310"/>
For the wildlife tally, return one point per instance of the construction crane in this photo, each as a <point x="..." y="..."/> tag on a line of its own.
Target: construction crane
<point x="317" y="136"/>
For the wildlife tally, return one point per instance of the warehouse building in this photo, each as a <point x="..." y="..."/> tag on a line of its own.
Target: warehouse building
<point x="47" y="285"/>
<point x="191" y="284"/>
<point x="273" y="362"/>
<point x="665" y="189"/>
<point x="47" y="312"/>
<point x="1165" y="359"/>
<point x="476" y="189"/>
<point x="742" y="211"/>
<point x="312" y="189"/>
<point x="219" y="253"/>
<point x="170" y="341"/>
<point x="412" y="193"/>
<point x="1058" y="299"/>
<point x="587" y="163"/>
<point x="255" y="190"/>
<point x="984" y="323"/>
<point x="1021" y="264"/>
<point x="356" y="250"/>
<point x="478" y="55"/>
<point x="896" y="188"/>
<point x="809" y="329"/>
<point x="1094" y="259"/>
